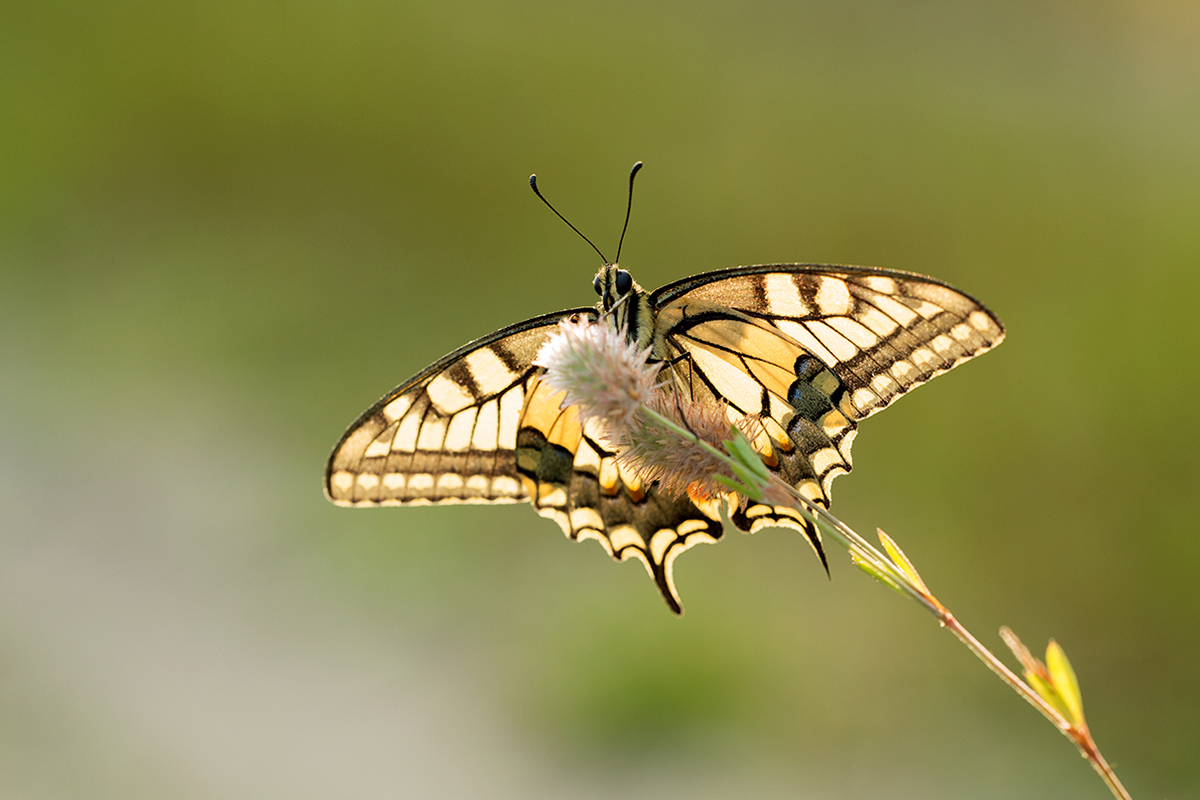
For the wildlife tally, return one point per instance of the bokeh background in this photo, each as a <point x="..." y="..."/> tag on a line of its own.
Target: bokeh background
<point x="228" y="227"/>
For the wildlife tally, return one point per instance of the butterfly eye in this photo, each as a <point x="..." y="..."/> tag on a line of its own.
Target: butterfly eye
<point x="624" y="282"/>
<point x="599" y="287"/>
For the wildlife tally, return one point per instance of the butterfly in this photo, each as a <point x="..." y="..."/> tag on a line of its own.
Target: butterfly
<point x="808" y="350"/>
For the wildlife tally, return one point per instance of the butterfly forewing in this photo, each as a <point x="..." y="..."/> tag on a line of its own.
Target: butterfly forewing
<point x="881" y="332"/>
<point x="447" y="435"/>
<point x="808" y="350"/>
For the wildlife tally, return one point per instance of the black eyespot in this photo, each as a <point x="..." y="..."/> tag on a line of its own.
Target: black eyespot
<point x="624" y="282"/>
<point x="598" y="286"/>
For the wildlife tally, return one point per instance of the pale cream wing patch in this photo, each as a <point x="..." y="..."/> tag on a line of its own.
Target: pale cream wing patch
<point x="881" y="332"/>
<point x="447" y="435"/>
<point x="718" y="355"/>
<point x="573" y="479"/>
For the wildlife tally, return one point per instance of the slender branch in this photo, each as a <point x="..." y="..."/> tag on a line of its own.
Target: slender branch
<point x="609" y="378"/>
<point x="900" y="580"/>
<point x="1079" y="735"/>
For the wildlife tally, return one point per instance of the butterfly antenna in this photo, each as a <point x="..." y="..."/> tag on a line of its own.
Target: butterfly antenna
<point x="628" y="208"/>
<point x="533" y="185"/>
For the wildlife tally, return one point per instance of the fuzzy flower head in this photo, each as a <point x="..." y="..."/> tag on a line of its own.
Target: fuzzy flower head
<point x="600" y="371"/>
<point x="680" y="464"/>
<point x="659" y="435"/>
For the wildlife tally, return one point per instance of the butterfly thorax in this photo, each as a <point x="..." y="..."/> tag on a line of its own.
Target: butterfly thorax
<point x="625" y="303"/>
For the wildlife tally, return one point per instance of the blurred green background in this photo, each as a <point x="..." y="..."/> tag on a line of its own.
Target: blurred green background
<point x="228" y="227"/>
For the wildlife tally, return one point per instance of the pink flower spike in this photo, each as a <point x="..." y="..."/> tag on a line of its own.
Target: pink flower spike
<point x="600" y="371"/>
<point x="609" y="379"/>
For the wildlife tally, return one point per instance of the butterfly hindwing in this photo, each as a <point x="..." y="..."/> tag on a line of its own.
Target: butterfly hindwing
<point x="572" y="478"/>
<point x="447" y="435"/>
<point x="721" y="355"/>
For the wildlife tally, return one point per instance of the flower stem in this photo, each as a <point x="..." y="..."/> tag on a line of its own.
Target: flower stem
<point x="608" y="377"/>
<point x="900" y="580"/>
<point x="1078" y="735"/>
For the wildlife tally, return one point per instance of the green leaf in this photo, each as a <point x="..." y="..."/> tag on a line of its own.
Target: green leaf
<point x="747" y="475"/>
<point x="1043" y="689"/>
<point x="1047" y="692"/>
<point x="900" y="560"/>
<point x="744" y="454"/>
<point x="1064" y="680"/>
<point x="740" y="488"/>
<point x="874" y="572"/>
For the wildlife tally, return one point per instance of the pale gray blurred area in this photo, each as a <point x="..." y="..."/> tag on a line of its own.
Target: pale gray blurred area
<point x="165" y="631"/>
<point x="159" y="638"/>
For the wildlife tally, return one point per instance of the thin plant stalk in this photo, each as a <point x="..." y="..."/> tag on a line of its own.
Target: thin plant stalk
<point x="609" y="379"/>
<point x="900" y="579"/>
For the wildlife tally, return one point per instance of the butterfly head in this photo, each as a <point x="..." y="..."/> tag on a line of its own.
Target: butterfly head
<point x="623" y="302"/>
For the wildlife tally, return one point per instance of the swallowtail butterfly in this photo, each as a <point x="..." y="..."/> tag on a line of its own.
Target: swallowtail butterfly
<point x="809" y="349"/>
